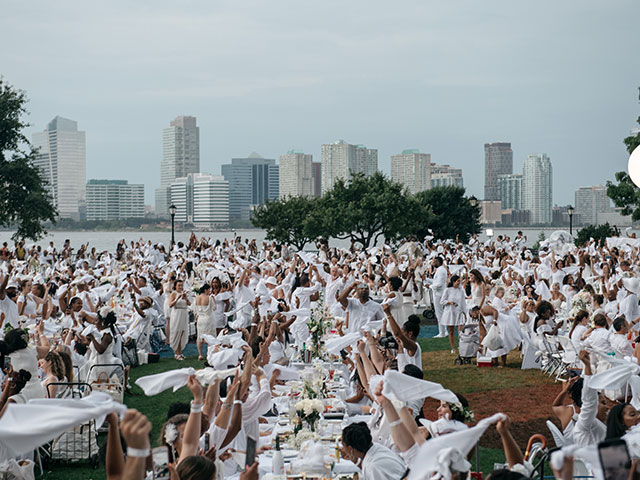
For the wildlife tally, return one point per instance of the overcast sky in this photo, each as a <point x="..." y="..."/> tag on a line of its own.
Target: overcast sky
<point x="555" y="77"/>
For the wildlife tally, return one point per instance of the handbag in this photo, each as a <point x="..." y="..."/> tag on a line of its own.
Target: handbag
<point x="110" y="386"/>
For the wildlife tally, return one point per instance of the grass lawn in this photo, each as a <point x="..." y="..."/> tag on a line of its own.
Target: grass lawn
<point x="525" y="395"/>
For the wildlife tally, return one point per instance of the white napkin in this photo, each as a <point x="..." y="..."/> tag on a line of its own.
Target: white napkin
<point x="24" y="427"/>
<point x="334" y="345"/>
<point x="154" y="384"/>
<point x="286" y="373"/>
<point x="428" y="458"/>
<point x="406" y="388"/>
<point x="224" y="358"/>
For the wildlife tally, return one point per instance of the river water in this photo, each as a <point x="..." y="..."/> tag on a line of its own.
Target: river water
<point x="108" y="240"/>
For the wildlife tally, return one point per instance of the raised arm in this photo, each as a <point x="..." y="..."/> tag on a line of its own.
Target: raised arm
<point x="191" y="438"/>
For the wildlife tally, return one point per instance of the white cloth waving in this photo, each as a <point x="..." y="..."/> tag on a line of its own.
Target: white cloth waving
<point x="24" y="427"/>
<point x="154" y="384"/>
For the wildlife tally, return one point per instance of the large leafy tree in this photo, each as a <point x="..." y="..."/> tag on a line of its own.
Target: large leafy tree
<point x="625" y="193"/>
<point x="453" y="215"/>
<point x="599" y="233"/>
<point x="292" y="220"/>
<point x="368" y="208"/>
<point x="24" y="200"/>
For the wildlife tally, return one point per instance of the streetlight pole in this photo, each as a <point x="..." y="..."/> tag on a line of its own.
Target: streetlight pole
<point x="172" y="211"/>
<point x="570" y="211"/>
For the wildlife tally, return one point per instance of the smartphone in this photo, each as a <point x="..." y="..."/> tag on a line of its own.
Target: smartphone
<point x="250" y="456"/>
<point x="614" y="458"/>
<point x="6" y="364"/>
<point x="160" y="463"/>
<point x="207" y="442"/>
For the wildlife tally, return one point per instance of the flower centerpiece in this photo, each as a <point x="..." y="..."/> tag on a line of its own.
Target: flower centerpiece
<point x="580" y="301"/>
<point x="317" y="325"/>
<point x="308" y="412"/>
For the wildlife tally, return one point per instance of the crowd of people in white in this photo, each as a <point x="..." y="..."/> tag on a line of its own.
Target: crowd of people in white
<point x="77" y="316"/>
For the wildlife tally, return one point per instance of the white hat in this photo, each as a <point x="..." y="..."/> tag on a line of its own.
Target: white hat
<point x="632" y="284"/>
<point x="271" y="281"/>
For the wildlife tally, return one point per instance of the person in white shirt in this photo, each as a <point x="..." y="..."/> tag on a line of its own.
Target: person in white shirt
<point x="619" y="342"/>
<point x="8" y="307"/>
<point x="438" y="285"/>
<point x="598" y="337"/>
<point x="376" y="461"/>
<point x="361" y="310"/>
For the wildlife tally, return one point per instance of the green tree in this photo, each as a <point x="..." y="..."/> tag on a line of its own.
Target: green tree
<point x="541" y="238"/>
<point x="453" y="215"/>
<point x="598" y="232"/>
<point x="293" y="220"/>
<point x="368" y="208"/>
<point x="24" y="200"/>
<point x="625" y="194"/>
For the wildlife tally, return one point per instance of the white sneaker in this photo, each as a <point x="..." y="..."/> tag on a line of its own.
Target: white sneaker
<point x="453" y="351"/>
<point x="440" y="335"/>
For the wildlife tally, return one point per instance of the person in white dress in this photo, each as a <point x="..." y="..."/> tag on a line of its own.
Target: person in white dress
<point x="178" y="323"/>
<point x="101" y="347"/>
<point x="205" y="323"/>
<point x="454" y="306"/>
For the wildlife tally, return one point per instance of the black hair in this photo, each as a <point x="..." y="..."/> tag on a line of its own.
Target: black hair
<point x="412" y="325"/>
<point x="615" y="423"/>
<point x="197" y="467"/>
<point x="506" y="474"/>
<point x="453" y="279"/>
<point x="544" y="307"/>
<point x="80" y="348"/>
<point x="396" y="283"/>
<point x="458" y="414"/>
<point x="178" y="408"/>
<point x="618" y="323"/>
<point x="109" y="320"/>
<point x="413" y="371"/>
<point x="16" y="339"/>
<point x="21" y="378"/>
<point x="204" y="288"/>
<point x="576" y="392"/>
<point x="357" y="436"/>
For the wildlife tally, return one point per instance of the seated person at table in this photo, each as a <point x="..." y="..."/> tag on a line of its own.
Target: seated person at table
<point x="376" y="461"/>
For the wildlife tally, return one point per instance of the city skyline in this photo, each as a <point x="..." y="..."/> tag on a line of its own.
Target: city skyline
<point x="321" y="79"/>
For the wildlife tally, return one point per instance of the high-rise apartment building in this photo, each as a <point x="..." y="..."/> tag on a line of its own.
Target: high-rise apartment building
<point x="446" y="176"/>
<point x="412" y="169"/>
<point x="201" y="199"/>
<point x="180" y="157"/>
<point x="252" y="181"/>
<point x="62" y="160"/>
<point x="498" y="160"/>
<point x="316" y="178"/>
<point x="341" y="160"/>
<point x="537" y="188"/>
<point x="591" y="203"/>
<point x="296" y="175"/>
<point x="114" y="200"/>
<point x="510" y="191"/>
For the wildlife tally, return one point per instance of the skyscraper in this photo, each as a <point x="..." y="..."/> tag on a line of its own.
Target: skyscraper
<point x="510" y="190"/>
<point x="412" y="169"/>
<point x="591" y="203"/>
<point x="316" y="178"/>
<point x="296" y="174"/>
<point x="201" y="199"/>
<point x="180" y="157"/>
<point x="252" y="181"/>
<point x="340" y="160"/>
<point x="114" y="200"/>
<point x="537" y="188"/>
<point x="446" y="176"/>
<point x="498" y="160"/>
<point x="63" y="163"/>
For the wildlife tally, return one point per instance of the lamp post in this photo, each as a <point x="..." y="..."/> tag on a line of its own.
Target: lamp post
<point x="172" y="211"/>
<point x="570" y="211"/>
<point x="473" y="201"/>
